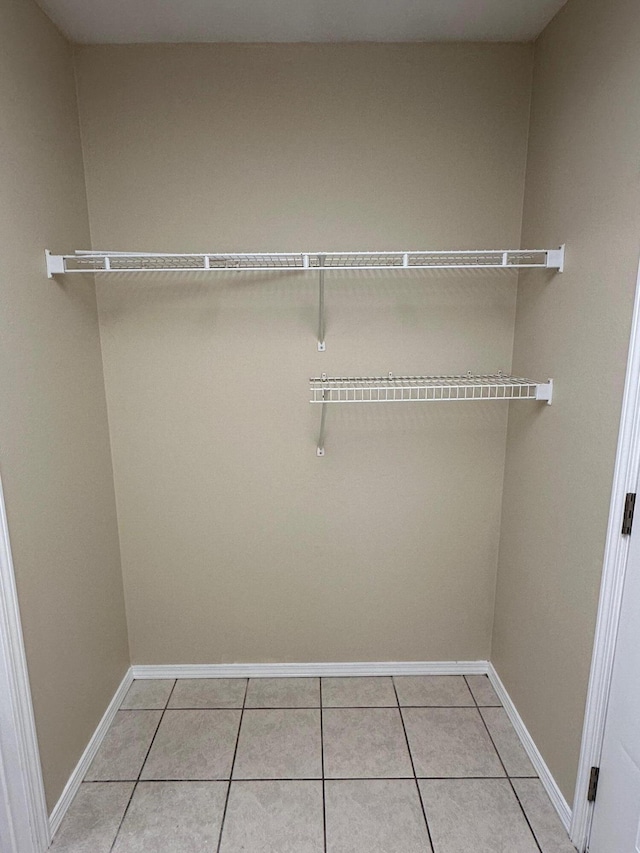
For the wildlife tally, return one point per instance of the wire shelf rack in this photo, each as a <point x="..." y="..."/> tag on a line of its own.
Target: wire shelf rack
<point x="129" y="262"/>
<point x="104" y="263"/>
<point x="422" y="389"/>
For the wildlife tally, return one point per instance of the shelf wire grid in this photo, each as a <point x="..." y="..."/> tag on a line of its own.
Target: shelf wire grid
<point x="403" y="389"/>
<point x="105" y="262"/>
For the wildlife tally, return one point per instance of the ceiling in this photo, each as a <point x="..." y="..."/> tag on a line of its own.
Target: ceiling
<point x="133" y="21"/>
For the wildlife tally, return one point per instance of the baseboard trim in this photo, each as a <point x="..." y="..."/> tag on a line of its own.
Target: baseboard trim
<point x="71" y="788"/>
<point x="535" y="756"/>
<point x="302" y="670"/>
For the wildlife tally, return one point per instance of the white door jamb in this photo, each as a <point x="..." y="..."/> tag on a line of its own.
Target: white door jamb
<point x="23" y="809"/>
<point x="625" y="479"/>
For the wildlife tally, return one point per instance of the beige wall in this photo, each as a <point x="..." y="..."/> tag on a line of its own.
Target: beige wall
<point x="54" y="450"/>
<point x="238" y="543"/>
<point x="582" y="187"/>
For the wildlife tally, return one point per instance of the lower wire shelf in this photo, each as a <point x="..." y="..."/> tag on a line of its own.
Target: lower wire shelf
<point x="422" y="389"/>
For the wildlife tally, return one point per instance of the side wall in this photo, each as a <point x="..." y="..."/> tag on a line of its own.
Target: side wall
<point x="54" y="444"/>
<point x="582" y="187"/>
<point x="238" y="542"/>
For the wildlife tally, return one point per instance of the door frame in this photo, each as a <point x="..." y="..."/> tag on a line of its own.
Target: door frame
<point x="23" y="808"/>
<point x="625" y="479"/>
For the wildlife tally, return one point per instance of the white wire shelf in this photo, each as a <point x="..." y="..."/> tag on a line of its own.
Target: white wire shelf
<point x="129" y="262"/>
<point x="104" y="263"/>
<point x="422" y="389"/>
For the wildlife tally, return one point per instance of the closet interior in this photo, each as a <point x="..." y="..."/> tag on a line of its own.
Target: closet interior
<point x="192" y="491"/>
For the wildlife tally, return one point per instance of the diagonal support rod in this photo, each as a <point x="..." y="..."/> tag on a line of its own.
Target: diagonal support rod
<point x="323" y="417"/>
<point x="321" y="344"/>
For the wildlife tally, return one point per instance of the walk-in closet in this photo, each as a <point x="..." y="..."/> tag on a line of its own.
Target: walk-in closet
<point x="318" y="435"/>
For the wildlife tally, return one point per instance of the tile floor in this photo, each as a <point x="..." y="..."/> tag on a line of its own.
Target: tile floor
<point x="424" y="764"/>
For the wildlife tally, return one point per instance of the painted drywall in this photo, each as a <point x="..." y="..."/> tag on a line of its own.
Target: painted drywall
<point x="238" y="542"/>
<point x="582" y="186"/>
<point x="54" y="443"/>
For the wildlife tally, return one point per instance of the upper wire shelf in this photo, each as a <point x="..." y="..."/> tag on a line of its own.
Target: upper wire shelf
<point x="319" y="262"/>
<point x="128" y="262"/>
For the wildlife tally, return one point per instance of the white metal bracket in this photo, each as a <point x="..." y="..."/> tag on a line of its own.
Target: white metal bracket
<point x="555" y="259"/>
<point x="55" y="264"/>
<point x="544" y="392"/>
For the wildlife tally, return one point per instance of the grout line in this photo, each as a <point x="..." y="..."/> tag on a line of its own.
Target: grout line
<point x="312" y="779"/>
<point x="233" y="761"/>
<point x="175" y="684"/>
<point x="535" y="837"/>
<point x="413" y="767"/>
<point x="124" y="814"/>
<point x="524" y="814"/>
<point x="304" y="707"/>
<point x="313" y="708"/>
<point x="324" y="802"/>
<point x="135" y="784"/>
<point x="398" y="705"/>
<point x="296" y="707"/>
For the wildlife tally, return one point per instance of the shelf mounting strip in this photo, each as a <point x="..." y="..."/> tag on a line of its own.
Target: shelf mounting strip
<point x="135" y="262"/>
<point x="422" y="389"/>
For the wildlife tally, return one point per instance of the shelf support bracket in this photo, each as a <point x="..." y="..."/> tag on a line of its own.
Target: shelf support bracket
<point x="323" y="419"/>
<point x="544" y="392"/>
<point x="321" y="344"/>
<point x="55" y="264"/>
<point x="555" y="259"/>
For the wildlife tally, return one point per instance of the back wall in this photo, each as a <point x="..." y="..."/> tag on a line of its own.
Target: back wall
<point x="238" y="542"/>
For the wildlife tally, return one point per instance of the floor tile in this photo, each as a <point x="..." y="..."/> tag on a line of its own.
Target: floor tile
<point x="482" y="690"/>
<point x="358" y="692"/>
<point x="196" y="745"/>
<point x="208" y="693"/>
<point x="148" y="694"/>
<point x="283" y="693"/>
<point x="92" y="821"/>
<point x="364" y="742"/>
<point x="274" y="817"/>
<point x="279" y="744"/>
<point x="173" y="817"/>
<point x="375" y="816"/>
<point x="542" y="816"/>
<point x="479" y="815"/>
<point x="433" y="690"/>
<point x="450" y="742"/>
<point x="507" y="742"/>
<point x="124" y="747"/>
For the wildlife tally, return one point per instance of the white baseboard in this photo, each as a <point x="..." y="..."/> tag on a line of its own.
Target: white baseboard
<point x="302" y="670"/>
<point x="71" y="788"/>
<point x="535" y="756"/>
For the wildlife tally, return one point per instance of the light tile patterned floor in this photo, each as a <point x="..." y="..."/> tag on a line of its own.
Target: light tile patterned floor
<point x="419" y="764"/>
